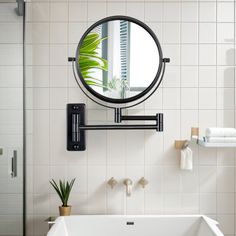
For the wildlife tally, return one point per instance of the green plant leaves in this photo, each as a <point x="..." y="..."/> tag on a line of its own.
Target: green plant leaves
<point x="89" y="58"/>
<point x="63" y="190"/>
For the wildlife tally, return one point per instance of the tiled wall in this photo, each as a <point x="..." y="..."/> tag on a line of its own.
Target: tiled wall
<point x="197" y="91"/>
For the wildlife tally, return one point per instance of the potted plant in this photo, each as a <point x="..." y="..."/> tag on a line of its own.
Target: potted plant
<point x="63" y="189"/>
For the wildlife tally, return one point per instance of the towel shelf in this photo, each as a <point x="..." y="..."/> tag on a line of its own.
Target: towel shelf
<point x="200" y="141"/>
<point x="215" y="145"/>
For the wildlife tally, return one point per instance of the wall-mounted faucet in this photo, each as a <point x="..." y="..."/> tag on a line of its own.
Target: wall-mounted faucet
<point x="143" y="182"/>
<point x="128" y="184"/>
<point x="112" y="182"/>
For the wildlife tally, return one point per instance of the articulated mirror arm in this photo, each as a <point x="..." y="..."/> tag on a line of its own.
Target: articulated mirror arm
<point x="76" y="126"/>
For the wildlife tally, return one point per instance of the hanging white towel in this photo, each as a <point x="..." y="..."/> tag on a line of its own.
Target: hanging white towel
<point x="220" y="132"/>
<point x="186" y="159"/>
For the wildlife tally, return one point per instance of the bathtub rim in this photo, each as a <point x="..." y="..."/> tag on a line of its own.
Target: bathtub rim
<point x="213" y="224"/>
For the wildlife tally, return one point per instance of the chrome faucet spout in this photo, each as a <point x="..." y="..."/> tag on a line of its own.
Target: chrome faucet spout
<point x="128" y="184"/>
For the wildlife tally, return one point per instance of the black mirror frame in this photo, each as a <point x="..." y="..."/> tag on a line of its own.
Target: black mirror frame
<point x="144" y="92"/>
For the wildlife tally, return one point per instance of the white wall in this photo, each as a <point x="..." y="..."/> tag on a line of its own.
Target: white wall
<point x="197" y="91"/>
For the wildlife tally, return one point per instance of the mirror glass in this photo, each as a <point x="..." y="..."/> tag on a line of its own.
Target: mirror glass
<point x="118" y="59"/>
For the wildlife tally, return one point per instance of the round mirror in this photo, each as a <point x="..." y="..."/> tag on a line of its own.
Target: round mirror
<point x="119" y="59"/>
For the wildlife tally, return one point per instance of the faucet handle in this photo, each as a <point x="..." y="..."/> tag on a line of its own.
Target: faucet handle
<point x="128" y="184"/>
<point x="112" y="182"/>
<point x="143" y="182"/>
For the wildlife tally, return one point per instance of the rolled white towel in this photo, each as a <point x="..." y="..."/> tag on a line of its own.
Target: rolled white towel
<point x="186" y="159"/>
<point x="220" y="132"/>
<point x="221" y="139"/>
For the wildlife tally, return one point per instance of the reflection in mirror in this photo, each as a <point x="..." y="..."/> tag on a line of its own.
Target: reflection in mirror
<point x="118" y="59"/>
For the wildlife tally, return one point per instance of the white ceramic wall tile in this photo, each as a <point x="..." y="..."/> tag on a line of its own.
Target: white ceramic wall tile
<point x="225" y="98"/>
<point x="172" y="179"/>
<point x="189" y="181"/>
<point x="58" y="55"/>
<point x="37" y="76"/>
<point x="189" y="12"/>
<point x="207" y="179"/>
<point x="153" y="11"/>
<point x="225" y="179"/>
<point x="41" y="178"/>
<point x="153" y="156"/>
<point x="135" y="205"/>
<point x="96" y="11"/>
<point x="170" y="155"/>
<point x="189" y="98"/>
<point x="189" y="76"/>
<point x="207" y="156"/>
<point x="40" y="137"/>
<point x="155" y="101"/>
<point x="207" y="33"/>
<point x="189" y="118"/>
<point x="207" y="203"/>
<point x="7" y="13"/>
<point x="58" y="33"/>
<point x="207" y="11"/>
<point x="157" y="28"/>
<point x="77" y="11"/>
<point x="171" y="33"/>
<point x="225" y="76"/>
<point x="225" y="118"/>
<point x="172" y="203"/>
<point x="207" y="54"/>
<point x="225" y="32"/>
<point x="172" y="77"/>
<point x="189" y="33"/>
<point x="76" y="30"/>
<point x="59" y="11"/>
<point x="58" y="98"/>
<point x="225" y="55"/>
<point x="225" y="203"/>
<point x="58" y="153"/>
<point x="190" y="203"/>
<point x="225" y="157"/>
<point x="171" y="98"/>
<point x="116" y="196"/>
<point x="37" y="32"/>
<point x="225" y="12"/>
<point x="173" y="52"/>
<point x="97" y="189"/>
<point x="116" y="8"/>
<point x="97" y="155"/>
<point x="207" y="76"/>
<point x="189" y="54"/>
<point x="37" y="55"/>
<point x="75" y="96"/>
<point x="12" y="32"/>
<point x="207" y="98"/>
<point x="226" y="223"/>
<point x="58" y="76"/>
<point x="207" y="118"/>
<point x="11" y="54"/>
<point x="40" y="11"/>
<point x="171" y="11"/>
<point x="135" y="10"/>
<point x="154" y="203"/>
<point x="135" y="148"/>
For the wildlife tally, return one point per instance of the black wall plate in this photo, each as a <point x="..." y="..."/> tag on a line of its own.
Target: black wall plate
<point x="75" y="119"/>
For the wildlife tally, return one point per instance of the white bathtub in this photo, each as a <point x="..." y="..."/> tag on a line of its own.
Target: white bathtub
<point x="114" y="225"/>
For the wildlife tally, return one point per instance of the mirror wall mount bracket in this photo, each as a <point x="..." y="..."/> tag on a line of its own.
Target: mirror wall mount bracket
<point x="76" y="125"/>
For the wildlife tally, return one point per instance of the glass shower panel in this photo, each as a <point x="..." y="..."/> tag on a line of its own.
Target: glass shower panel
<point x="11" y="119"/>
